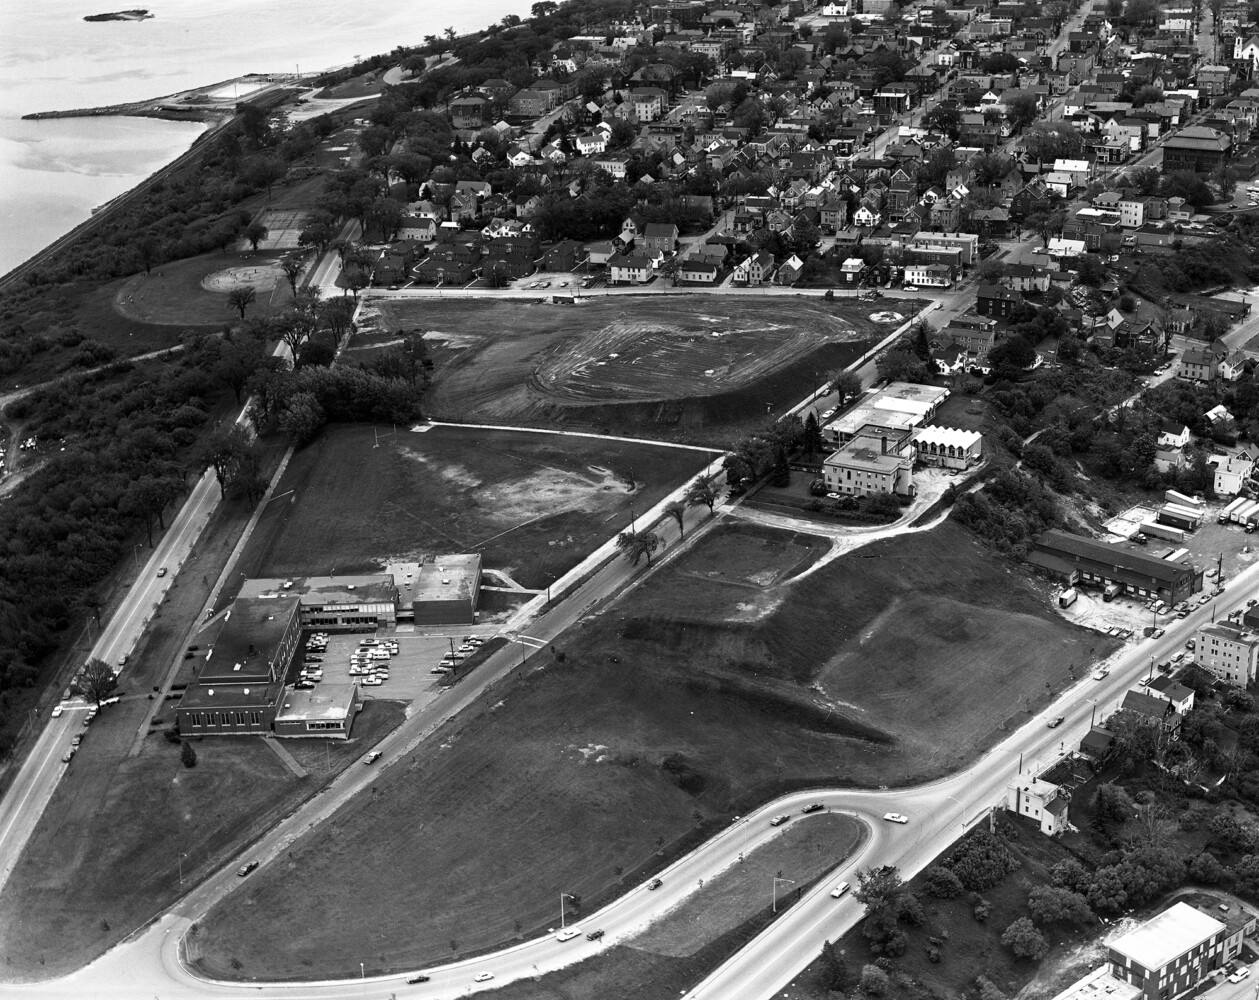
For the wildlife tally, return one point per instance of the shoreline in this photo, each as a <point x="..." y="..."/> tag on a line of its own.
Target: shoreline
<point x="197" y="104"/>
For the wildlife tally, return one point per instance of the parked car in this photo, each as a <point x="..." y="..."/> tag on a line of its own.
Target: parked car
<point x="483" y="977"/>
<point x="655" y="883"/>
<point x="56" y="712"/>
<point x="372" y="757"/>
<point x="69" y="754"/>
<point x="567" y="934"/>
<point x="1239" y="975"/>
<point x="1100" y="674"/>
<point x="246" y="868"/>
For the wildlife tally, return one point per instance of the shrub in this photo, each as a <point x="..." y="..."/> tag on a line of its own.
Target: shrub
<point x="1022" y="938"/>
<point x="988" y="989"/>
<point x="982" y="909"/>
<point x="188" y="755"/>
<point x="981" y="861"/>
<point x="874" y="981"/>
<point x="942" y="883"/>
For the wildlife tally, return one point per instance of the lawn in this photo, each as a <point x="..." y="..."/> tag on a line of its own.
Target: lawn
<point x="532" y="504"/>
<point x="656" y="721"/>
<point x="688" y="942"/>
<point x="698" y="368"/>
<point x="104" y="858"/>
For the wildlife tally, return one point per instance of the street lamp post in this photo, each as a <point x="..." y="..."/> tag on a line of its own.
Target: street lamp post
<point x="181" y="868"/>
<point x="563" y="896"/>
<point x="962" y="808"/>
<point x="776" y="881"/>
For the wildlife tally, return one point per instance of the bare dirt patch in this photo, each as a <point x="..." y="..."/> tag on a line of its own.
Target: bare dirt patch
<point x="194" y="291"/>
<point x="532" y="504"/>
<point x="260" y="277"/>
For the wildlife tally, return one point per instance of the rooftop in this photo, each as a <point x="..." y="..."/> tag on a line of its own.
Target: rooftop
<point x="326" y="590"/>
<point x="448" y="578"/>
<point x="248" y="642"/>
<point x="328" y="702"/>
<point x="1164" y="938"/>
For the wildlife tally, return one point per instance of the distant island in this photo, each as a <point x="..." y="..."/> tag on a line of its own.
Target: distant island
<point x="120" y="15"/>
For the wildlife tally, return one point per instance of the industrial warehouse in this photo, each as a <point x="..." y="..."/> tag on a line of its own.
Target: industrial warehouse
<point x="1074" y="559"/>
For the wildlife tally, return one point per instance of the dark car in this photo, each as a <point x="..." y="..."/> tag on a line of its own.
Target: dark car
<point x="1055" y="723"/>
<point x="655" y="883"/>
<point x="245" y="869"/>
<point x="816" y="807"/>
<point x="417" y="979"/>
<point x="594" y="935"/>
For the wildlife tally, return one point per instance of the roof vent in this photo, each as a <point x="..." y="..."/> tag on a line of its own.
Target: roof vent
<point x="349" y="586"/>
<point x="245" y="691"/>
<point x="445" y="581"/>
<point x="210" y="692"/>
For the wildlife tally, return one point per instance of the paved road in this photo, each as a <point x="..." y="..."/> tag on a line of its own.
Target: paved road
<point x="149" y="964"/>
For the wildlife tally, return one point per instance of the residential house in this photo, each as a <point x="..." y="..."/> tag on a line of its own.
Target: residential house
<point x="930" y="275"/>
<point x="1173" y="434"/>
<point x="1038" y="800"/>
<point x="1229" y="652"/>
<point x="467" y="111"/>
<point x="697" y="272"/>
<point x="851" y="270"/>
<point x="660" y="236"/>
<point x="1232" y="366"/>
<point x="1199" y="366"/>
<point x="789" y="271"/>
<point x="589" y="143"/>
<point x="1153" y="711"/>
<point x="996" y="300"/>
<point x="1231" y="472"/>
<point x="625" y="269"/>
<point x="1026" y="277"/>
<point x="756" y="270"/>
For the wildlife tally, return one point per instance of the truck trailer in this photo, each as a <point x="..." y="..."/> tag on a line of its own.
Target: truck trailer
<point x="1226" y="515"/>
<point x="1171" y="496"/>
<point x="1067" y="598"/>
<point x="1177" y="520"/>
<point x="1163" y="531"/>
<point x="1243" y="512"/>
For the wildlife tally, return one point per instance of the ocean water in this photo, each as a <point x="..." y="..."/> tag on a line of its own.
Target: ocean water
<point x="53" y="173"/>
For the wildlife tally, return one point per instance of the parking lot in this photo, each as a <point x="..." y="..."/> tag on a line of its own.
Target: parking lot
<point x="410" y="669"/>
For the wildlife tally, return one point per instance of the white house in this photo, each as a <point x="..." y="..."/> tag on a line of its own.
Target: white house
<point x="1039" y="800"/>
<point x="589" y="143"/>
<point x="929" y="275"/>
<point x="624" y="269"/>
<point x="1173" y="435"/>
<point x="1231" y="472"/>
<point x="1081" y="171"/>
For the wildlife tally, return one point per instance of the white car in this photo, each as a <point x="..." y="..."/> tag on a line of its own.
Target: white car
<point x="56" y="712"/>
<point x="1100" y="674"/>
<point x="483" y="977"/>
<point x="1239" y="975"/>
<point x="839" y="890"/>
<point x="567" y="934"/>
<point x="896" y="818"/>
<point x="827" y="414"/>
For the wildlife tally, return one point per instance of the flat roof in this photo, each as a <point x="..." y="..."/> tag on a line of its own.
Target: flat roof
<point x="247" y="643"/>
<point x="1056" y="540"/>
<point x="220" y="697"/>
<point x="448" y="578"/>
<point x="1100" y="985"/>
<point x="324" y="590"/>
<point x="327" y="702"/>
<point x="866" y="414"/>
<point x="1162" y="939"/>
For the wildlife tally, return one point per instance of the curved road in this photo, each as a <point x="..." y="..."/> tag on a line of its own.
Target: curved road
<point x="151" y="962"/>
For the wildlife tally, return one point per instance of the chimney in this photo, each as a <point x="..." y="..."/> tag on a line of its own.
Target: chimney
<point x="884" y="442"/>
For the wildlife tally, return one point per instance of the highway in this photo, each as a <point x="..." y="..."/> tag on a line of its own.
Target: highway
<point x="150" y="963"/>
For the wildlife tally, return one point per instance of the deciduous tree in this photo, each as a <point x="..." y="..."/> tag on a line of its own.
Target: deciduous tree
<point x="97" y="680"/>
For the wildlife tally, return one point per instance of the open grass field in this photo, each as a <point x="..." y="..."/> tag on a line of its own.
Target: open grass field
<point x="193" y="292"/>
<point x="532" y="504"/>
<point x="695" y="367"/>
<point x="105" y="856"/>
<point x="684" y="704"/>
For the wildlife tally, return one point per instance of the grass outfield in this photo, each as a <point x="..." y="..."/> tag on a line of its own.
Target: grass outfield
<point x="532" y="504"/>
<point x="104" y="858"/>
<point x="682" y="705"/>
<point x="701" y="368"/>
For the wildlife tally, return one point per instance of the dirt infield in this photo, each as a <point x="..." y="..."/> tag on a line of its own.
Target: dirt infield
<point x="686" y="368"/>
<point x="262" y="277"/>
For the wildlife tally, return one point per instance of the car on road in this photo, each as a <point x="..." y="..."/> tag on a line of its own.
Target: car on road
<point x="473" y="640"/>
<point x="483" y="977"/>
<point x="246" y="868"/>
<point x="567" y="934"/>
<point x="162" y="571"/>
<point x="372" y="757"/>
<point x="56" y="712"/>
<point x="655" y="883"/>
<point x="1056" y="722"/>
<point x="1190" y="643"/>
<point x="839" y="890"/>
<point x="417" y="979"/>
<point x="817" y="807"/>
<point x="1100" y="674"/>
<point x="779" y="820"/>
<point x="467" y="647"/>
<point x="594" y="935"/>
<point x="896" y="817"/>
<point x="1239" y="975"/>
<point x="69" y="754"/>
<point x="827" y="414"/>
